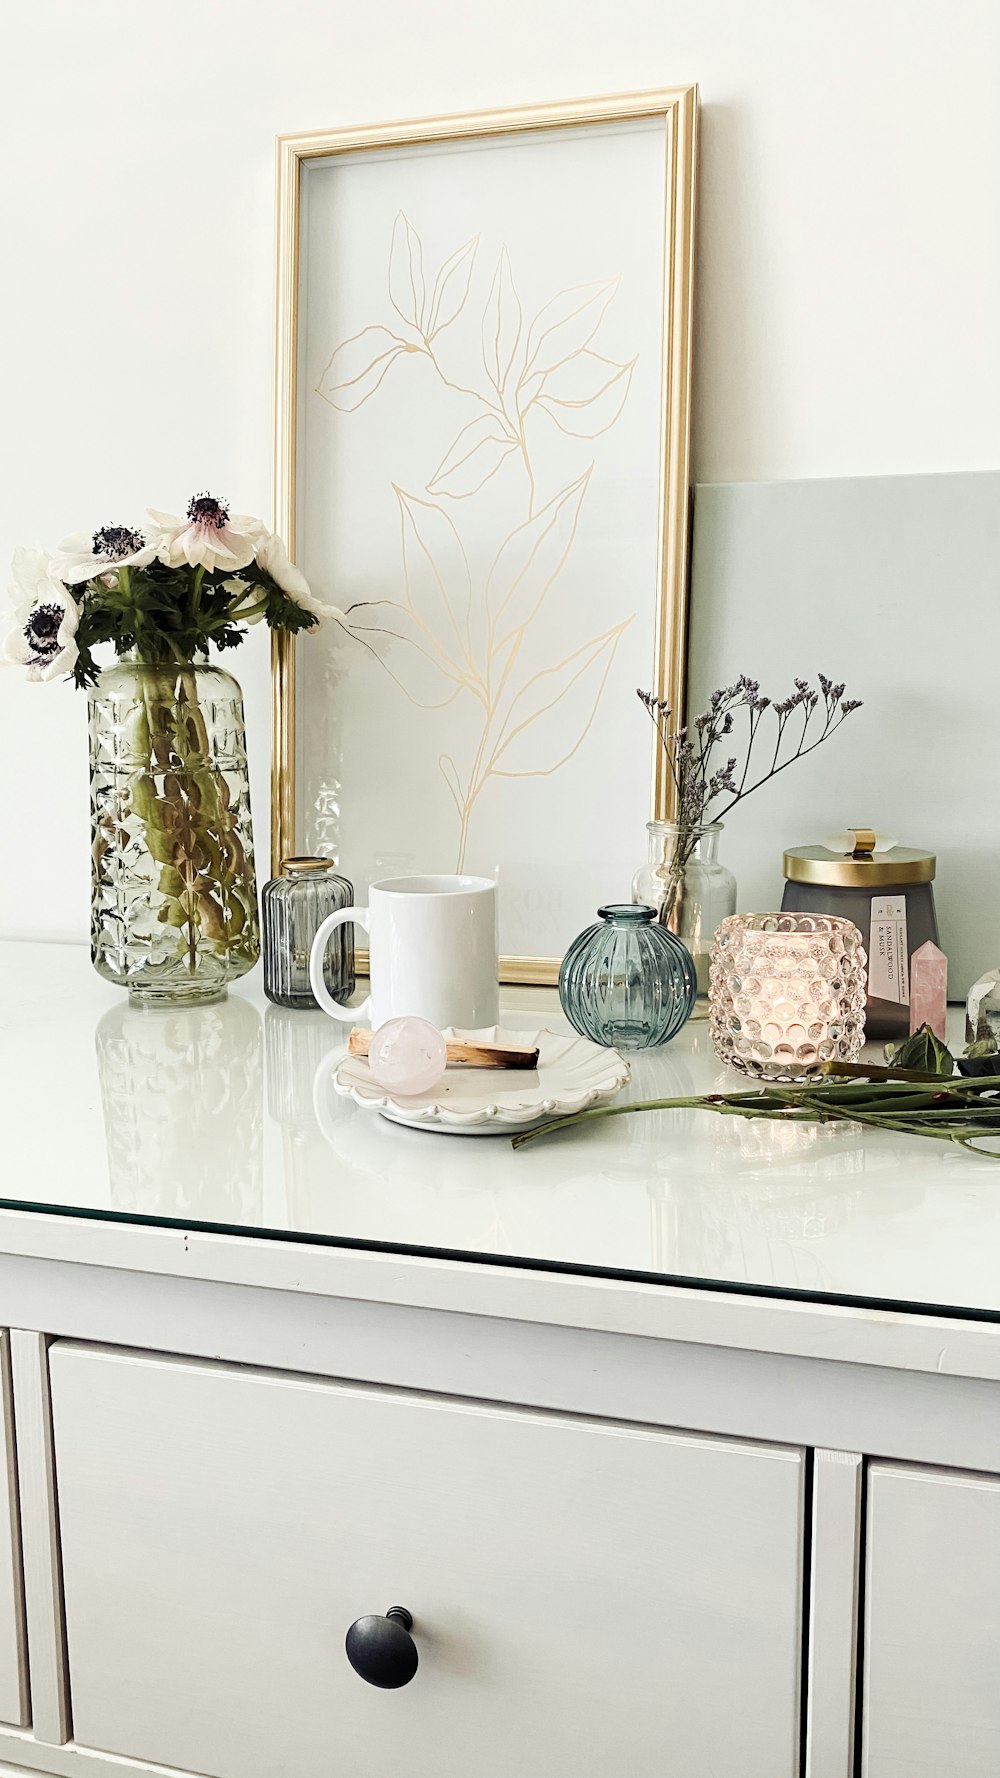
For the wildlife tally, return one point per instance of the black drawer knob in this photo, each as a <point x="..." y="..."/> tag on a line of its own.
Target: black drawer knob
<point x="382" y="1650"/>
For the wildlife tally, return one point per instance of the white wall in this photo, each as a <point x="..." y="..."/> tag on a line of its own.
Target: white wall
<point x="889" y="583"/>
<point x="849" y="277"/>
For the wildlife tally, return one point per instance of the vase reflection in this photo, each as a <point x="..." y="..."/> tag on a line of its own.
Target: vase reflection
<point x="182" y="1092"/>
<point x="295" y="1043"/>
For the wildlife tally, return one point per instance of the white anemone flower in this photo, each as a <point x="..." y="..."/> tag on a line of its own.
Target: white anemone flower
<point x="273" y="558"/>
<point x="45" y="617"/>
<point x="85" y="556"/>
<point x="208" y="537"/>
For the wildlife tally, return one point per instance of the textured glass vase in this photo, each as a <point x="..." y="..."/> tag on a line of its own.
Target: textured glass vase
<point x="692" y="898"/>
<point x="293" y="907"/>
<point x="174" y="904"/>
<point x="627" y="982"/>
<point x="788" y="993"/>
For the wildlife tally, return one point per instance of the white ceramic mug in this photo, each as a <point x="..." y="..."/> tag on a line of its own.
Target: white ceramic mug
<point x="432" y="953"/>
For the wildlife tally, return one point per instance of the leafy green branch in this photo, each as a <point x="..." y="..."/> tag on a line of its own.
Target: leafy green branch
<point x="173" y="614"/>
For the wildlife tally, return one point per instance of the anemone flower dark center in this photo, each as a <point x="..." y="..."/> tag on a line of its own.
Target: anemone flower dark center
<point x="42" y="628"/>
<point x="113" y="542"/>
<point x="204" y="509"/>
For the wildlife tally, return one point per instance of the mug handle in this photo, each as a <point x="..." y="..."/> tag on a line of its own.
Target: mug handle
<point x="317" y="957"/>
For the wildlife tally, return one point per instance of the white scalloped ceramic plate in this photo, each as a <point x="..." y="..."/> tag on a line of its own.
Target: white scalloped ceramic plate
<point x="572" y="1075"/>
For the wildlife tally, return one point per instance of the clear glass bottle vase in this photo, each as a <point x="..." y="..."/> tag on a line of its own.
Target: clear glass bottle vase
<point x="692" y="894"/>
<point x="174" y="903"/>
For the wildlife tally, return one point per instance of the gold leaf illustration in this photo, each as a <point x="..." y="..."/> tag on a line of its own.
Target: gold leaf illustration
<point x="501" y="325"/>
<point x="406" y="272"/>
<point x="529" y="389"/>
<point x="531" y="558"/>
<point x="449" y="772"/>
<point x="585" y="395"/>
<point x="551" y="716"/>
<point x="357" y="367"/>
<point x="567" y="324"/>
<point x="475" y="456"/>
<point x="401" y="645"/>
<point x="436" y="641"/>
<point x="451" y="287"/>
<point x="438" y="586"/>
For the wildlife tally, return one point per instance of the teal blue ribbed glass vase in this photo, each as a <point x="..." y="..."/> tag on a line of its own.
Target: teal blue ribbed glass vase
<point x="627" y="982"/>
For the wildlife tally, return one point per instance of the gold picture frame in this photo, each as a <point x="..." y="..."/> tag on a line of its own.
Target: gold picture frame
<point x="678" y="109"/>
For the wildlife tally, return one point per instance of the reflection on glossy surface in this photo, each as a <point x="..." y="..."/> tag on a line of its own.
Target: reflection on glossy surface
<point x="687" y="1193"/>
<point x="295" y="1042"/>
<point x="208" y="1114"/>
<point x="182" y="1091"/>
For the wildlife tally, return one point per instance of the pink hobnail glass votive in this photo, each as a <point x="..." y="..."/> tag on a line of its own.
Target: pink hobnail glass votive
<point x="787" y="993"/>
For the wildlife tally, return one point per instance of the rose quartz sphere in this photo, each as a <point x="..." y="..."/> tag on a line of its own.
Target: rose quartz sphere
<point x="407" y="1056"/>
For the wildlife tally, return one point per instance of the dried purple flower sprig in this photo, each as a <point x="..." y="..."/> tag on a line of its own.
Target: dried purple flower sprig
<point x="690" y="752"/>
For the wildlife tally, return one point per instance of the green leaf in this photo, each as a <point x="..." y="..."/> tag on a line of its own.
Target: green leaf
<point x="172" y="914"/>
<point x="160" y="845"/>
<point x="923" y="1051"/>
<point x="283" y="614"/>
<point x="171" y="881"/>
<point x="211" y="918"/>
<point x="144" y="799"/>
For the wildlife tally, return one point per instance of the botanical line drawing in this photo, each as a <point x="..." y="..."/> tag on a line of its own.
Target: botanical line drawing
<point x="454" y="634"/>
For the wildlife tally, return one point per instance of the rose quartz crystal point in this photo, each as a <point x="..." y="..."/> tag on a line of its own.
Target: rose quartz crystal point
<point x="929" y="989"/>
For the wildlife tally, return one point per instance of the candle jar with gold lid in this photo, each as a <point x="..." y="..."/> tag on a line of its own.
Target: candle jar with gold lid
<point x="293" y="907"/>
<point x="885" y="890"/>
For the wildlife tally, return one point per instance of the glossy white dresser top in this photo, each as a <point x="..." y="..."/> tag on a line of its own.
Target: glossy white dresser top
<point x="207" y="1116"/>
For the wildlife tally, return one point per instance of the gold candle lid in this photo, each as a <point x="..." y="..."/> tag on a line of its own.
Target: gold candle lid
<point x="290" y="864"/>
<point x="862" y="868"/>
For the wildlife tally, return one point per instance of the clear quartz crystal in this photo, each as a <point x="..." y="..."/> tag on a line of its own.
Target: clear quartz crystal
<point x="174" y="901"/>
<point x="293" y="907"/>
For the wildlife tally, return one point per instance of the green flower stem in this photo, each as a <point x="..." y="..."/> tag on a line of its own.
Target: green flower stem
<point x="184" y="805"/>
<point x="605" y="1111"/>
<point x="873" y="1071"/>
<point x="158" y="700"/>
<point x="960" y="1111"/>
<point x="246" y="616"/>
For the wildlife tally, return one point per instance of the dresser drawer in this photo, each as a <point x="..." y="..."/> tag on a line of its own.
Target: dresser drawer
<point x="932" y="1629"/>
<point x="13" y="1666"/>
<point x="589" y="1599"/>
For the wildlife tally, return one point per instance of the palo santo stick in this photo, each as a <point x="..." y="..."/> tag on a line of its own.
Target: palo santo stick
<point x="472" y="1055"/>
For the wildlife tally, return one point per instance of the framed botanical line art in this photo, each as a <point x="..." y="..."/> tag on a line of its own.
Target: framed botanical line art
<point x="482" y="460"/>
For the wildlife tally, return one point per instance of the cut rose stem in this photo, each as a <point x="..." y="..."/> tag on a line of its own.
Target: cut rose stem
<point x="875" y="1071"/>
<point x="959" y="1111"/>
